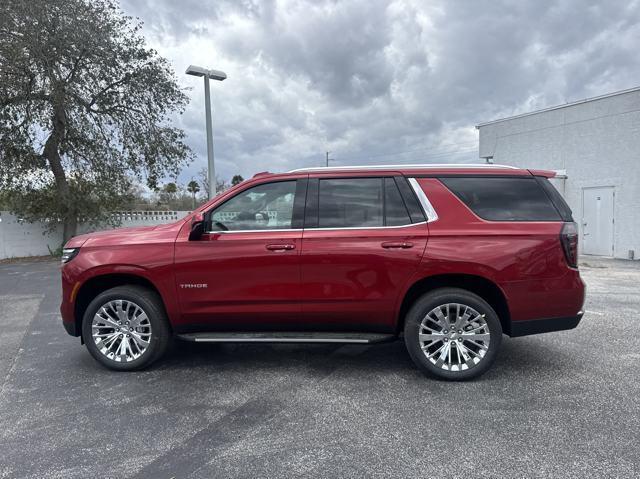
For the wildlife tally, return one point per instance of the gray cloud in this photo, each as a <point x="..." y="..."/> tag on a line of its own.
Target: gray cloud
<point x="382" y="81"/>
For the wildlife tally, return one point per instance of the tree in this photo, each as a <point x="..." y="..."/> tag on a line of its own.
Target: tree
<point x="168" y="193"/>
<point x="193" y="188"/>
<point x="237" y="179"/>
<point x="203" y="174"/>
<point x="171" y="188"/>
<point x="84" y="107"/>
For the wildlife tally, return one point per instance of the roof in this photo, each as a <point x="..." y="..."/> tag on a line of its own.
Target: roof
<point x="558" y="107"/>
<point x="431" y="169"/>
<point x="428" y="166"/>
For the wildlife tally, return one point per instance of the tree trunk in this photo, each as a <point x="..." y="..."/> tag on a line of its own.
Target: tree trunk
<point x="52" y="154"/>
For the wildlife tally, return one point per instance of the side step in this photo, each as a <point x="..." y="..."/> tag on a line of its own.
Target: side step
<point x="286" y="337"/>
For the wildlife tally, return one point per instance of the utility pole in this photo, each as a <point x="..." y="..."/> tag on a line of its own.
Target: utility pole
<point x="328" y="159"/>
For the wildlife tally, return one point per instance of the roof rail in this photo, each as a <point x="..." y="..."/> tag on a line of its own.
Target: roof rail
<point x="404" y="167"/>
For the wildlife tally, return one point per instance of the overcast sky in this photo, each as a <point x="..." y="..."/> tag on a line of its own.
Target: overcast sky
<point x="381" y="81"/>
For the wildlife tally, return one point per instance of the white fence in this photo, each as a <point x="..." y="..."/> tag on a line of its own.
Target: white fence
<point x="19" y="238"/>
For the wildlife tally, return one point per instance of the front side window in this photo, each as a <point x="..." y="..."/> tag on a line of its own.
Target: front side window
<point x="263" y="207"/>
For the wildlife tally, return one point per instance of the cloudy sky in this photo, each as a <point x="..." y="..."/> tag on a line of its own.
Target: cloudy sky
<point x="377" y="81"/>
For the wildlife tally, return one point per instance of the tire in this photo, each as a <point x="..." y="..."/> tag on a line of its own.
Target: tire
<point x="146" y="322"/>
<point x="473" y="353"/>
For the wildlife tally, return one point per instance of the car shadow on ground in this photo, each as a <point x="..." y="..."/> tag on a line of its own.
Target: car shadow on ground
<point x="520" y="356"/>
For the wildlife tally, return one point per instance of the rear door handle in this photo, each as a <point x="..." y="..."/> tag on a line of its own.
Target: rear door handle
<point x="397" y="245"/>
<point x="280" y="247"/>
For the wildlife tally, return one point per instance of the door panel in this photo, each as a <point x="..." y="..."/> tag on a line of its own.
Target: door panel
<point x="357" y="255"/>
<point x="245" y="274"/>
<point x="597" y="221"/>
<point x="252" y="279"/>
<point x="351" y="279"/>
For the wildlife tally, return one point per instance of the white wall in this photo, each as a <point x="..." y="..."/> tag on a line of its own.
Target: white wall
<point x="20" y="239"/>
<point x="596" y="142"/>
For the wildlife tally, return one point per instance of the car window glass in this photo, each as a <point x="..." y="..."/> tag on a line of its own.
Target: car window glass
<point x="263" y="207"/>
<point x="350" y="202"/>
<point x="396" y="213"/>
<point x="504" y="199"/>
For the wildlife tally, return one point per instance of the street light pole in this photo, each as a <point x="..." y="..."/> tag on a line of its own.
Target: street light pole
<point x="209" y="127"/>
<point x="213" y="75"/>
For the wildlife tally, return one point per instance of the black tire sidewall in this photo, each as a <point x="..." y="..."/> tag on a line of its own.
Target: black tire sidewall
<point x="450" y="295"/>
<point x="151" y="305"/>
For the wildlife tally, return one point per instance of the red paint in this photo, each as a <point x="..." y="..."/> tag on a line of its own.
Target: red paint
<point x="338" y="279"/>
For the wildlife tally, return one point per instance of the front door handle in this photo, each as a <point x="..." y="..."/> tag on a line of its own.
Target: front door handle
<point x="280" y="247"/>
<point x="397" y="245"/>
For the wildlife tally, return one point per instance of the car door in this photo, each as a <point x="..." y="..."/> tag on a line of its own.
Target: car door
<point x="244" y="272"/>
<point x="363" y="239"/>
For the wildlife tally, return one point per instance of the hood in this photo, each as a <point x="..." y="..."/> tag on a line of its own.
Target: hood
<point x="123" y="236"/>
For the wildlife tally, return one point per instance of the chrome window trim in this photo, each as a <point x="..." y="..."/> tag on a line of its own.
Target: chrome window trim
<point x="424" y="201"/>
<point x="255" y="231"/>
<point x="366" y="227"/>
<point x="321" y="229"/>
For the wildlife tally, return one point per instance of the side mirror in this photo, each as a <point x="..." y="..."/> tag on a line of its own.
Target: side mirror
<point x="197" y="227"/>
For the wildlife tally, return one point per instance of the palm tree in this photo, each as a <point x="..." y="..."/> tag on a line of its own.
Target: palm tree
<point x="193" y="188"/>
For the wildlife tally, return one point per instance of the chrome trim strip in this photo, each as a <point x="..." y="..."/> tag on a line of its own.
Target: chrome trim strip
<point x="424" y="201"/>
<point x="404" y="167"/>
<point x="281" y="340"/>
<point x="254" y="231"/>
<point x="324" y="229"/>
<point x="366" y="227"/>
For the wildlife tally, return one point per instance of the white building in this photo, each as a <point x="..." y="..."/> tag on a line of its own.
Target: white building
<point x="594" y="145"/>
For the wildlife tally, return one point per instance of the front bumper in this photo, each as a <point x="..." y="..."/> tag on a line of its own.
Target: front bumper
<point x="537" y="326"/>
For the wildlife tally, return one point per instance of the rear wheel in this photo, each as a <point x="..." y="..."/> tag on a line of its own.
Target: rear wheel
<point x="452" y="334"/>
<point x="125" y="328"/>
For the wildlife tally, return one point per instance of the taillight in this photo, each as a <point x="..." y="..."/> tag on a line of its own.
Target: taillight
<point x="569" y="241"/>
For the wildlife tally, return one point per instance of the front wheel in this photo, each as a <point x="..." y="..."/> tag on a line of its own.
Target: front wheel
<point x="452" y="334"/>
<point x="126" y="328"/>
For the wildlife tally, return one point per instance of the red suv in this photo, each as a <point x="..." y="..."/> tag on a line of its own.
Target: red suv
<point x="448" y="256"/>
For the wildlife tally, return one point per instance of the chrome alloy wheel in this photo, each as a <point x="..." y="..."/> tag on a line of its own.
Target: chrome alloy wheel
<point x="121" y="330"/>
<point x="454" y="337"/>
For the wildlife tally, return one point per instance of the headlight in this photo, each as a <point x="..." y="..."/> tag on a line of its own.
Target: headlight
<point x="68" y="254"/>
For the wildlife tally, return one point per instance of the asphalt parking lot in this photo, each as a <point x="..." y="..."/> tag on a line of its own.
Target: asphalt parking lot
<point x="556" y="405"/>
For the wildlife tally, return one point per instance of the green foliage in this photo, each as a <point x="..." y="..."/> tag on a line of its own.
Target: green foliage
<point x="97" y="201"/>
<point x="85" y="107"/>
<point x="237" y="179"/>
<point x="170" y="188"/>
<point x="193" y="187"/>
<point x="56" y="253"/>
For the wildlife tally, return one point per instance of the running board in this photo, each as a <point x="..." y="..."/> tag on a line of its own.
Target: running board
<point x="286" y="337"/>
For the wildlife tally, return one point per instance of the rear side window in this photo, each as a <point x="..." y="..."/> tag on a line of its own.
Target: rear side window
<point x="559" y="202"/>
<point x="358" y="203"/>
<point x="395" y="212"/>
<point x="350" y="202"/>
<point x="504" y="199"/>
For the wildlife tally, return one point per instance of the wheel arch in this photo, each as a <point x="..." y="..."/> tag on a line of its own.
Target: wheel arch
<point x="102" y="282"/>
<point x="483" y="287"/>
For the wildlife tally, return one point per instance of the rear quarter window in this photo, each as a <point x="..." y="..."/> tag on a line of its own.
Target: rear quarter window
<point x="504" y="199"/>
